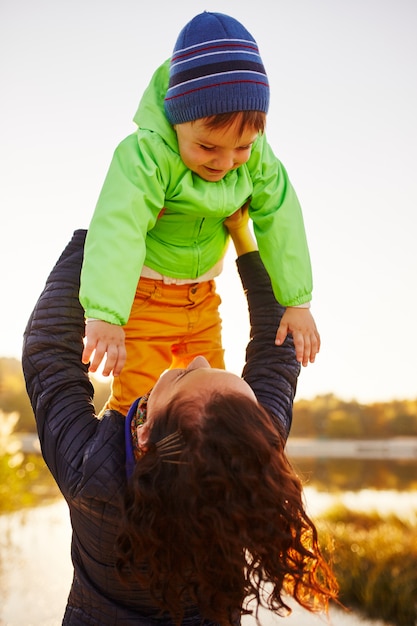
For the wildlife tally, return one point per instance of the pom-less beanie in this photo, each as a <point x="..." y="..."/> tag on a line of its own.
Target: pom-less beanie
<point x="215" y="68"/>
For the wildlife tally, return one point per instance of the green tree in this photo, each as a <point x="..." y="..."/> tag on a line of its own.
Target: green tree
<point x="14" y="398"/>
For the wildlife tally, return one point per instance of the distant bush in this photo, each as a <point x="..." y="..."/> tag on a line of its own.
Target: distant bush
<point x="14" y="398"/>
<point x="25" y="481"/>
<point x="332" y="418"/>
<point x="375" y="561"/>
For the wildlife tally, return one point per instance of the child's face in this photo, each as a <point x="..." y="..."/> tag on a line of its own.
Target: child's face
<point x="213" y="152"/>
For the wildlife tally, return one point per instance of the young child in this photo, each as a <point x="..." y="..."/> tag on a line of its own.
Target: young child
<point x="157" y="237"/>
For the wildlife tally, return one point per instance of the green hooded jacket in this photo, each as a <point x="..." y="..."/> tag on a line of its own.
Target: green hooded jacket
<point x="154" y="211"/>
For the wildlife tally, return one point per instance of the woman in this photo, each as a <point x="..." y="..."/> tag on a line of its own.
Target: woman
<point x="187" y="507"/>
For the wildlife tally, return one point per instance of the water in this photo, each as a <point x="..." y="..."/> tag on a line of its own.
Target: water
<point x="402" y="503"/>
<point x="35" y="567"/>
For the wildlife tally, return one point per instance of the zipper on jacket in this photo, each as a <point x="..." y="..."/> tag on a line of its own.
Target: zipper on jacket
<point x="197" y="246"/>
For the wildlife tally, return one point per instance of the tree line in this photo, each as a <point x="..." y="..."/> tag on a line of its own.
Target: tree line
<point x="330" y="417"/>
<point x="325" y="416"/>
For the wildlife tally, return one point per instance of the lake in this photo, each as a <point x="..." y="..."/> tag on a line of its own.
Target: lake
<point x="35" y="567"/>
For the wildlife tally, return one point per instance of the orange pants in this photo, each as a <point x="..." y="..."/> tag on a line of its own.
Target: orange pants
<point x="169" y="325"/>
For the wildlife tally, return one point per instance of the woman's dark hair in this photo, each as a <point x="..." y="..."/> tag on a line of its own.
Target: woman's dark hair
<point x="223" y="520"/>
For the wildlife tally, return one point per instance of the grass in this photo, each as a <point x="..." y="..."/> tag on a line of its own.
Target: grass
<point x="375" y="561"/>
<point x="25" y="481"/>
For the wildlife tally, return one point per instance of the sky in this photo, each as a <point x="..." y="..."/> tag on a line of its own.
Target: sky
<point x="342" y="120"/>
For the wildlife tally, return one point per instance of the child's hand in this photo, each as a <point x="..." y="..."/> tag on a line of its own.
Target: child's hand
<point x="301" y="325"/>
<point x="103" y="339"/>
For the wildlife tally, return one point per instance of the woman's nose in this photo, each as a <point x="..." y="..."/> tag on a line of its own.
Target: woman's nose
<point x="197" y="363"/>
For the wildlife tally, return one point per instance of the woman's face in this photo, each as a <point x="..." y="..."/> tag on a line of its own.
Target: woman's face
<point x="197" y="380"/>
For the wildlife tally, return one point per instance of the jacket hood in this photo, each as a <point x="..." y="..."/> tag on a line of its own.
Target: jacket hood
<point x="151" y="112"/>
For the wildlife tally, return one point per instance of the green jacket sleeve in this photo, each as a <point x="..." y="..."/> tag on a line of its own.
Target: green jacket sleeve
<point x="128" y="207"/>
<point x="279" y="227"/>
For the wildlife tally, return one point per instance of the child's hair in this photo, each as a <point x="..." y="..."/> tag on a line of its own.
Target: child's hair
<point x="255" y="120"/>
<point x="214" y="515"/>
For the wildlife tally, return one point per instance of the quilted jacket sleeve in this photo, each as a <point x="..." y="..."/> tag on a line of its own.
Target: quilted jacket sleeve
<point x="272" y="371"/>
<point x="57" y="382"/>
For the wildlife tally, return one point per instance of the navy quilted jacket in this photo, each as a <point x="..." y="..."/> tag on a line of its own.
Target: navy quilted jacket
<point x="87" y="456"/>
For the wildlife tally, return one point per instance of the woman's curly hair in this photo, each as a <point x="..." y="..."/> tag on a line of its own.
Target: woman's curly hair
<point x="223" y="521"/>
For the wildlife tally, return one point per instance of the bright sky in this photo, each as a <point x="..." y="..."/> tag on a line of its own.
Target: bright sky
<point x="342" y="120"/>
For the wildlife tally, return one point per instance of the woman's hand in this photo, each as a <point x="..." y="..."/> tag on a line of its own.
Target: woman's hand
<point x="238" y="226"/>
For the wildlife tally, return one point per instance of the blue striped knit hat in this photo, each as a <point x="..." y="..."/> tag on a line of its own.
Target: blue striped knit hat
<point x="215" y="68"/>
